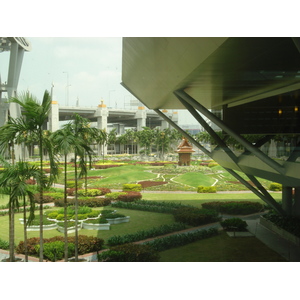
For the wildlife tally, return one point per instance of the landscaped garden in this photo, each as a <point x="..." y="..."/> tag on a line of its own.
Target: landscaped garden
<point x="91" y="204"/>
<point x="150" y="213"/>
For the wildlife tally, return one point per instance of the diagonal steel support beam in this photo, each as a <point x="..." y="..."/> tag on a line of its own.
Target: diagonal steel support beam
<point x="212" y="133"/>
<point x="263" y="157"/>
<point x="264" y="195"/>
<point x="184" y="133"/>
<point x="261" y="193"/>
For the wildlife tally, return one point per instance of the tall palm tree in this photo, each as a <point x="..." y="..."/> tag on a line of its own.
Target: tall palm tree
<point x="64" y="142"/>
<point x="32" y="121"/>
<point x="83" y="133"/>
<point x="13" y="182"/>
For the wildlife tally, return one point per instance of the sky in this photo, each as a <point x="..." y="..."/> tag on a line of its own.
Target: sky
<point x="82" y="71"/>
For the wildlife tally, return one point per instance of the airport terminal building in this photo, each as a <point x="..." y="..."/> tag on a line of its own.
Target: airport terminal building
<point x="248" y="87"/>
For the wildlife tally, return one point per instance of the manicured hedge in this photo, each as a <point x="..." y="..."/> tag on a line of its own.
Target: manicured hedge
<point x="206" y="189"/>
<point x="288" y="223"/>
<point x="234" y="207"/>
<point x="132" y="187"/>
<point x="124" y="196"/>
<point x="145" y="234"/>
<point x="154" y="206"/>
<point x="89" y="192"/>
<point x="274" y="186"/>
<point x="181" y="239"/>
<point x="129" y="253"/>
<point x="85" y="201"/>
<point x="234" y="224"/>
<point x="195" y="216"/>
<point x="86" y="244"/>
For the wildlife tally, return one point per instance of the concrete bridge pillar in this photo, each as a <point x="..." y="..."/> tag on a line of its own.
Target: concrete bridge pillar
<point x="102" y="115"/>
<point x="141" y="115"/>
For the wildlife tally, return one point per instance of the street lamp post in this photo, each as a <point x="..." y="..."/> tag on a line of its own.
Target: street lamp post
<point x="67" y="89"/>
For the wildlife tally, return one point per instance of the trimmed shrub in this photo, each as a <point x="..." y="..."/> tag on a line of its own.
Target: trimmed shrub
<point x="55" y="250"/>
<point x="288" y="223"/>
<point x="234" y="207"/>
<point x="145" y="234"/>
<point x="206" y="189"/>
<point x="86" y="244"/>
<point x="114" y="195"/>
<point x="129" y="253"/>
<point x="276" y="187"/>
<point x="4" y="244"/>
<point x="176" y="240"/>
<point x="234" y="224"/>
<point x="132" y="187"/>
<point x="130" y="196"/>
<point x="195" y="216"/>
<point x="85" y="201"/>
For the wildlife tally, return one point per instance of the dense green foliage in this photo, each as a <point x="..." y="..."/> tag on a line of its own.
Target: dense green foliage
<point x="234" y="207"/>
<point x="206" y="189"/>
<point x="145" y="234"/>
<point x="276" y="187"/>
<point x="4" y="244"/>
<point x="129" y="253"/>
<point x="181" y="239"/>
<point x="288" y="223"/>
<point x="55" y="250"/>
<point x="195" y="216"/>
<point x="86" y="244"/>
<point x="85" y="201"/>
<point x="127" y="187"/>
<point x="234" y="224"/>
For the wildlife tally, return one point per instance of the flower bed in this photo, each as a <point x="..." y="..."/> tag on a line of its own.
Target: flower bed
<point x="148" y="183"/>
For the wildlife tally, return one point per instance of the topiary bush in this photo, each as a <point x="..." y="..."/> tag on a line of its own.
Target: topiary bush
<point x="129" y="253"/>
<point x="206" y="189"/>
<point x="276" y="187"/>
<point x="234" y="224"/>
<point x="132" y="187"/>
<point x="195" y="216"/>
<point x="130" y="197"/>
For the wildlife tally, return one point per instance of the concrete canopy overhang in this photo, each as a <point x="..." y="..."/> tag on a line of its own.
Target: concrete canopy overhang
<point x="214" y="71"/>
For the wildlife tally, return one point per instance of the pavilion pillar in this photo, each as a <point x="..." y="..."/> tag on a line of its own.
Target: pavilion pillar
<point x="296" y="207"/>
<point x="287" y="199"/>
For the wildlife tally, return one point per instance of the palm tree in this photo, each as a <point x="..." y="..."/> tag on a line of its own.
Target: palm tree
<point x="13" y="182"/>
<point x="31" y="123"/>
<point x="64" y="142"/>
<point x="83" y="133"/>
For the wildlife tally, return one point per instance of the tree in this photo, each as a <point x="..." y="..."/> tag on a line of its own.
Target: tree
<point x="64" y="142"/>
<point x="13" y="182"/>
<point x="146" y="138"/>
<point x="83" y="134"/>
<point x="31" y="123"/>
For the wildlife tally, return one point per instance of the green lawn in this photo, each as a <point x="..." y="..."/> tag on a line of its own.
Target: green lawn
<point x="222" y="248"/>
<point x="139" y="220"/>
<point x="195" y="179"/>
<point x="196" y="199"/>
